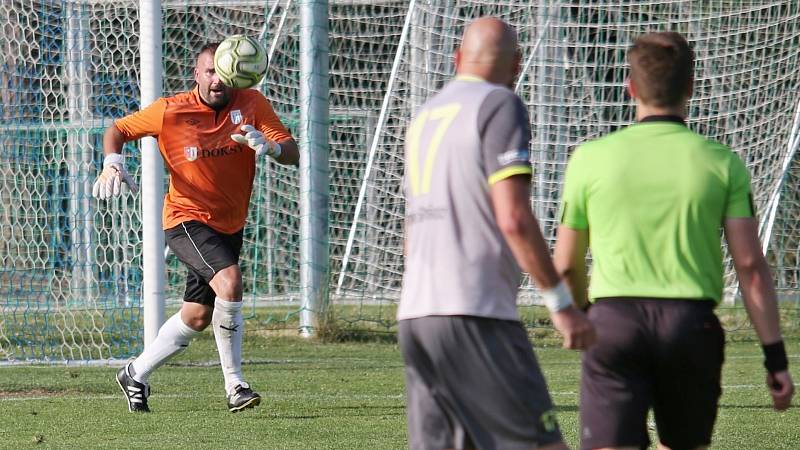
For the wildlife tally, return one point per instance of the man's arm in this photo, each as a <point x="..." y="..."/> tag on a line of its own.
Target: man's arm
<point x="512" y="209"/>
<point x="113" y="140"/>
<point x="515" y="219"/>
<point x="290" y="153"/>
<point x="146" y="122"/>
<point x="109" y="182"/>
<point x="570" y="261"/>
<point x="761" y="304"/>
<point x="272" y="129"/>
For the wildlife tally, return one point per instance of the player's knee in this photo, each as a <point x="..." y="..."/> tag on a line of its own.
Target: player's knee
<point x="197" y="318"/>
<point x="227" y="283"/>
<point x="199" y="323"/>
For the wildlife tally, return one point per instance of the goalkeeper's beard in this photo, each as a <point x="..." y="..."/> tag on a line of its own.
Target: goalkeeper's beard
<point x="216" y="99"/>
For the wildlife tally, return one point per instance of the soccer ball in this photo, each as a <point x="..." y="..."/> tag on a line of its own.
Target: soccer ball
<point x="240" y="61"/>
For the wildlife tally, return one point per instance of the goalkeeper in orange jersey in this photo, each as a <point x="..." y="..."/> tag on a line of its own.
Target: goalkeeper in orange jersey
<point x="210" y="138"/>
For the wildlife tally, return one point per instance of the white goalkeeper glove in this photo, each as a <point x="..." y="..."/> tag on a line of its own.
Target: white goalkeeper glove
<point x="111" y="178"/>
<point x="257" y="141"/>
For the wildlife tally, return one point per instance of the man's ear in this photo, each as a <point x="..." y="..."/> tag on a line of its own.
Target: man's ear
<point x="630" y="87"/>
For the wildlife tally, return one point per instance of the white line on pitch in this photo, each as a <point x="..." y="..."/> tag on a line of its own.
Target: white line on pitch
<point x="76" y="396"/>
<point x="295" y="396"/>
<point x="755" y="356"/>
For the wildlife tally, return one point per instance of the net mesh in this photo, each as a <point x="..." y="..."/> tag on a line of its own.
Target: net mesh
<point x="572" y="81"/>
<point x="70" y="266"/>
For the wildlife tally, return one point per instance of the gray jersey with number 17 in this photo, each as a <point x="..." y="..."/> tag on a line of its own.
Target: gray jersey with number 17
<point x="466" y="138"/>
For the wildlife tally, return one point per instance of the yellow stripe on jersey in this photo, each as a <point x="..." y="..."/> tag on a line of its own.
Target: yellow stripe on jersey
<point x="470" y="78"/>
<point x="510" y="171"/>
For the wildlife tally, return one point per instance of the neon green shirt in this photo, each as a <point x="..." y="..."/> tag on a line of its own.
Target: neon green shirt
<point x="653" y="197"/>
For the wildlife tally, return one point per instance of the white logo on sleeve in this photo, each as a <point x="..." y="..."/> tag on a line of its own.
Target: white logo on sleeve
<point x="514" y="156"/>
<point x="190" y="153"/>
<point x="236" y="116"/>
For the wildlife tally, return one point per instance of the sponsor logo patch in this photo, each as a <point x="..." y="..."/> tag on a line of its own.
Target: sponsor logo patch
<point x="193" y="153"/>
<point x="514" y="156"/>
<point x="190" y="153"/>
<point x="549" y="421"/>
<point x="236" y="116"/>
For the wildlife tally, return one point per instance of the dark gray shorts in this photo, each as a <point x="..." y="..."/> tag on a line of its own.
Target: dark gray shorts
<point x="474" y="382"/>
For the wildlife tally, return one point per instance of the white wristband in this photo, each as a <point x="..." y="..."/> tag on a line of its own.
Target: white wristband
<point x="557" y="298"/>
<point x="113" y="158"/>
<point x="277" y="151"/>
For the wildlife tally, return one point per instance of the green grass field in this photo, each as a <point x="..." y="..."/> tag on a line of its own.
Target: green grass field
<point x="316" y="396"/>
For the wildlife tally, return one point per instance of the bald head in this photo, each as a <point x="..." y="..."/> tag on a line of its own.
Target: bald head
<point x="489" y="50"/>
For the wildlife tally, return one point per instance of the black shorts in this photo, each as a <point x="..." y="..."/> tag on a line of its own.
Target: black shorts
<point x="205" y="252"/>
<point x="473" y="382"/>
<point x="651" y="353"/>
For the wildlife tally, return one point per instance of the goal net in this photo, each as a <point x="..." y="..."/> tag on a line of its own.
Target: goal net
<point x="572" y="81"/>
<point x="71" y="266"/>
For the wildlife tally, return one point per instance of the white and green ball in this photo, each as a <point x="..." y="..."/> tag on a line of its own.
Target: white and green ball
<point x="240" y="61"/>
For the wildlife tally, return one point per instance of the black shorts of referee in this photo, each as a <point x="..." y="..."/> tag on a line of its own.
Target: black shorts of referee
<point x="659" y="354"/>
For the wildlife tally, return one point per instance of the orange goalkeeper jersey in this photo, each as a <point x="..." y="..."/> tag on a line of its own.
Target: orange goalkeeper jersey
<point x="211" y="176"/>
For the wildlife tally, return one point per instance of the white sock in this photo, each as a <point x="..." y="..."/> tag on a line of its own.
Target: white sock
<point x="173" y="337"/>
<point x="228" y="329"/>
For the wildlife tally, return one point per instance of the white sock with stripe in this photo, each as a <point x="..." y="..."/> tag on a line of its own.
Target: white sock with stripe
<point x="228" y="330"/>
<point x="173" y="337"/>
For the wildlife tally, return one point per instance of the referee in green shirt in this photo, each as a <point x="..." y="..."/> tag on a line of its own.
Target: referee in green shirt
<point x="651" y="200"/>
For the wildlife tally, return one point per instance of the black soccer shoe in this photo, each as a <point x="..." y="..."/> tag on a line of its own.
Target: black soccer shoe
<point x="135" y="393"/>
<point x="242" y="398"/>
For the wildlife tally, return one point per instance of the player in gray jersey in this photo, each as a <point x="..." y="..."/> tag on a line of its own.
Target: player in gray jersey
<point x="472" y="379"/>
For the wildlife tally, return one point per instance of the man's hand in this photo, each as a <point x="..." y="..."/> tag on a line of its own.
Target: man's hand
<point x="257" y="141"/>
<point x="573" y="324"/>
<point x="781" y="388"/>
<point x="109" y="182"/>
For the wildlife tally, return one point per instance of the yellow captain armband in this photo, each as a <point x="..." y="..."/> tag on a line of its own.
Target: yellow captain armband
<point x="510" y="171"/>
